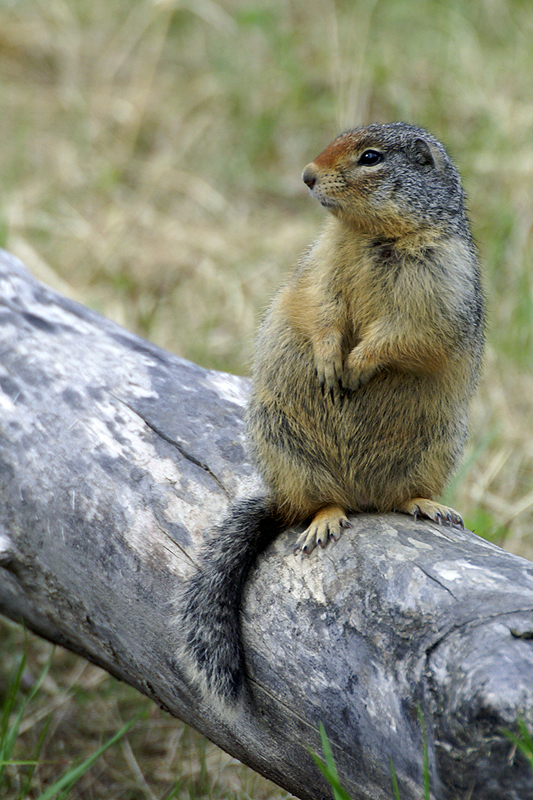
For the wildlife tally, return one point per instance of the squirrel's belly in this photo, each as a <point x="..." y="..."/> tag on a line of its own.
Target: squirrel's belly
<point x="370" y="449"/>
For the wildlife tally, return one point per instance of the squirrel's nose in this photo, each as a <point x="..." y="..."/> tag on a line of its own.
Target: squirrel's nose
<point x="309" y="175"/>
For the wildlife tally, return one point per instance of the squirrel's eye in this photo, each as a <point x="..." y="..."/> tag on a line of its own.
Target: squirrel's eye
<point x="370" y="157"/>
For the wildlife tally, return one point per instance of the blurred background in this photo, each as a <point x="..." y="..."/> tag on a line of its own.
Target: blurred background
<point x="150" y="163"/>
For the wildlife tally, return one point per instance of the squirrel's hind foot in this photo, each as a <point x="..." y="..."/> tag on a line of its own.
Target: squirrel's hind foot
<point x="327" y="524"/>
<point x="420" y="507"/>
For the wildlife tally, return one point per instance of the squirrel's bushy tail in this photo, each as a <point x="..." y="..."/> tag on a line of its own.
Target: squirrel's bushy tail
<point x="212" y="647"/>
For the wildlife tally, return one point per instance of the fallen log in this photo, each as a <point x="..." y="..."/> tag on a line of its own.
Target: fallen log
<point x="117" y="461"/>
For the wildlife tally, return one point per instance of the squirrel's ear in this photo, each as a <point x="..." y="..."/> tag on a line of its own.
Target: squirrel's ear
<point x="426" y="154"/>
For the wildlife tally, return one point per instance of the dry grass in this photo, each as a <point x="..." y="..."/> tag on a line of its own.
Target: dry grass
<point x="83" y="707"/>
<point x="150" y="163"/>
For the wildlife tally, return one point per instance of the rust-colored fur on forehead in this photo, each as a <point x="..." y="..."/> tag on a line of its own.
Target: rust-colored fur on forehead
<point x="329" y="157"/>
<point x="351" y="141"/>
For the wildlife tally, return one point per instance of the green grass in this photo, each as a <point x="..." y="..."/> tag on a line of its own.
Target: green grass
<point x="329" y="770"/>
<point x="327" y="766"/>
<point x="18" y="777"/>
<point x="522" y="740"/>
<point x="62" y="718"/>
<point x="150" y="168"/>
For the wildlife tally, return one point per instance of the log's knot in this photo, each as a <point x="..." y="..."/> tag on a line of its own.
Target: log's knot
<point x="10" y="558"/>
<point x="522" y="630"/>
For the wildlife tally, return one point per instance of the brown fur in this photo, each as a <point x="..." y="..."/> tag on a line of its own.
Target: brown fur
<point x="364" y="369"/>
<point x="367" y="358"/>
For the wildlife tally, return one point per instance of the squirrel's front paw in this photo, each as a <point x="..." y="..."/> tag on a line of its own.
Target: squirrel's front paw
<point x="329" y="374"/>
<point x="357" y="371"/>
<point x="353" y="379"/>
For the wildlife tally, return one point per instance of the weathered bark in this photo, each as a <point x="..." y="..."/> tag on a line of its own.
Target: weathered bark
<point x="116" y="462"/>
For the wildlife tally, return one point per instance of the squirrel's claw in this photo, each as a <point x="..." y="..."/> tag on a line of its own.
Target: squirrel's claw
<point x="429" y="509"/>
<point x="327" y="525"/>
<point x="330" y="377"/>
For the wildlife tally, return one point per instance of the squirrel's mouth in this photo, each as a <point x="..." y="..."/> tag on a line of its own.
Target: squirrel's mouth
<point x="328" y="202"/>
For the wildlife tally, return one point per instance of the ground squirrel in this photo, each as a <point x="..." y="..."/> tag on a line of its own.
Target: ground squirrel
<point x="364" y="368"/>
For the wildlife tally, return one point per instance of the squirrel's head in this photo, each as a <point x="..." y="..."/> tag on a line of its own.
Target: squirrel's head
<point x="389" y="179"/>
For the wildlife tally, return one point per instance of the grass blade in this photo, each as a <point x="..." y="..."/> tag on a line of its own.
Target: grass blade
<point x="328" y="767"/>
<point x="394" y="780"/>
<point x="8" y="735"/>
<point x="424" y="752"/>
<point x="72" y="775"/>
<point x="27" y="784"/>
<point x="524" y="742"/>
